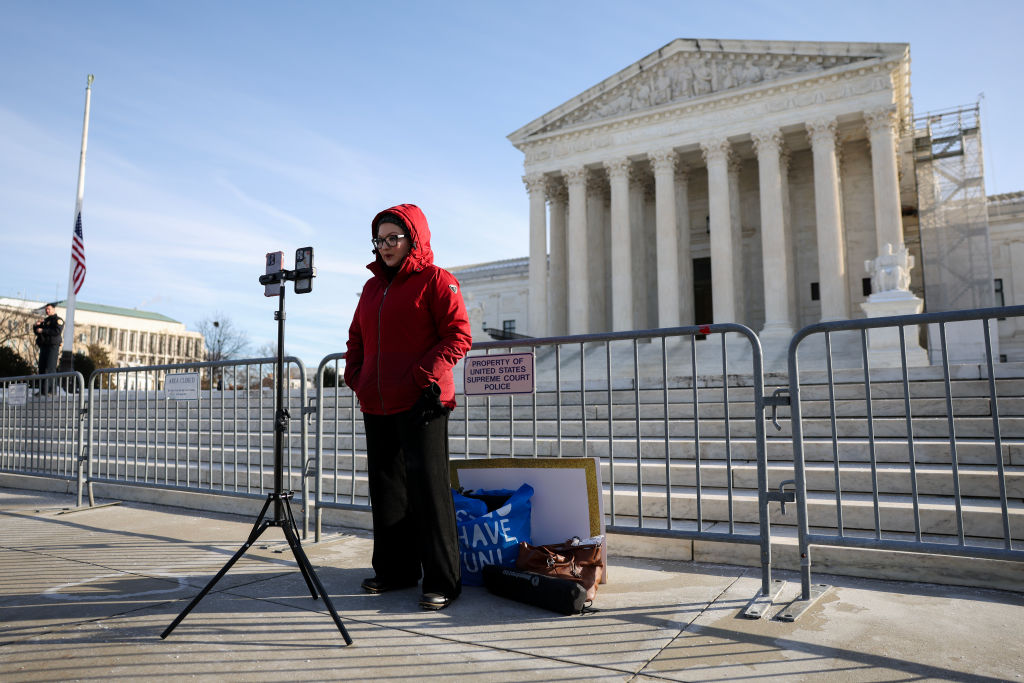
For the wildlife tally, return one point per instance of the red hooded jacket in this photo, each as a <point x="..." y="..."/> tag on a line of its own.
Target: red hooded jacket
<point x="408" y="332"/>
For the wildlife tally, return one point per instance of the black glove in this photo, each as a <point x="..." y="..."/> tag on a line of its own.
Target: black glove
<point x="428" y="405"/>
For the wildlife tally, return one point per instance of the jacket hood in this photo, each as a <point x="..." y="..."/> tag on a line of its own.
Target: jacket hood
<point x="421" y="255"/>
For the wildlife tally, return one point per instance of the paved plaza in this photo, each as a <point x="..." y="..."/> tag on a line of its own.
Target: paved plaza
<point x="86" y="593"/>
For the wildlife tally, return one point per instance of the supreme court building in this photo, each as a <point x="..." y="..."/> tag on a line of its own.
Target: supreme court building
<point x="775" y="184"/>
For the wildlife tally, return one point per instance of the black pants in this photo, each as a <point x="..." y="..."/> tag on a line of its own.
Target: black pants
<point x="413" y="514"/>
<point x="47" y="365"/>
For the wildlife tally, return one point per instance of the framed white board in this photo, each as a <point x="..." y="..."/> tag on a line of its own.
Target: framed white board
<point x="566" y="499"/>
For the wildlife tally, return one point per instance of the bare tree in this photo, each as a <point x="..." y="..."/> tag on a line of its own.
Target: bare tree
<point x="16" y="330"/>
<point x="268" y="350"/>
<point x="224" y="341"/>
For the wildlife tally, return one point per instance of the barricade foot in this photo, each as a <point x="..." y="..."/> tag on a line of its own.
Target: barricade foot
<point x="761" y="602"/>
<point x="799" y="606"/>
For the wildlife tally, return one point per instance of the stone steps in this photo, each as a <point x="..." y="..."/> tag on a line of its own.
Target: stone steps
<point x="878" y="564"/>
<point x="625" y="409"/>
<point x="844" y="428"/>
<point x="926" y="450"/>
<point x="924" y="383"/>
<point x="981" y="516"/>
<point x="973" y="480"/>
<point x="969" y="451"/>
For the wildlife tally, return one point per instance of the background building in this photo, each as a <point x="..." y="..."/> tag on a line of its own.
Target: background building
<point x="130" y="337"/>
<point x="771" y="183"/>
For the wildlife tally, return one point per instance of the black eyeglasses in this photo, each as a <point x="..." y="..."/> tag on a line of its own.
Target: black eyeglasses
<point x="390" y="240"/>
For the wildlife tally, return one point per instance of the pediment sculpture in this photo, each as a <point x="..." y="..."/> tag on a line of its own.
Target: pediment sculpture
<point x="685" y="76"/>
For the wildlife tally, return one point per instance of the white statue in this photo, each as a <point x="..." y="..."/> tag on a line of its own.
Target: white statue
<point x="891" y="270"/>
<point x="476" y="314"/>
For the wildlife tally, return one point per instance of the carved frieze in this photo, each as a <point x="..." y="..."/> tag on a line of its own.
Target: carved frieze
<point x="686" y="76"/>
<point x="742" y="105"/>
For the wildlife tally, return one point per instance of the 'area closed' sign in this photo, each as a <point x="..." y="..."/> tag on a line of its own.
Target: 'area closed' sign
<point x="506" y="373"/>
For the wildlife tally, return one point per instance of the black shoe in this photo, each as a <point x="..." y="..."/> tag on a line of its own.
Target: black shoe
<point x="434" y="601"/>
<point x="376" y="585"/>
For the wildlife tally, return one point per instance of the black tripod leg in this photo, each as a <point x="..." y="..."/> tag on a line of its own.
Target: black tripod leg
<point x="303" y="562"/>
<point x="293" y="540"/>
<point x="257" y="529"/>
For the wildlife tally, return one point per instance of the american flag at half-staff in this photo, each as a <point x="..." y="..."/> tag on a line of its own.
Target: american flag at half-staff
<point x="76" y="272"/>
<point x="78" y="255"/>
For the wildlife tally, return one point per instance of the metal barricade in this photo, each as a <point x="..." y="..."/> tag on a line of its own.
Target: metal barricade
<point x="674" y="416"/>
<point x="339" y="459"/>
<point x="221" y="440"/>
<point x="912" y="457"/>
<point x="41" y="426"/>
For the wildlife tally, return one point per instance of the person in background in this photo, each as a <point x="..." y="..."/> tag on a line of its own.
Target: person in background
<point x="409" y="329"/>
<point x="48" y="333"/>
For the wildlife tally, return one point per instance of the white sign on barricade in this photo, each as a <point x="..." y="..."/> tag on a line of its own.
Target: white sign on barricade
<point x="182" y="386"/>
<point x="506" y="373"/>
<point x="17" y="394"/>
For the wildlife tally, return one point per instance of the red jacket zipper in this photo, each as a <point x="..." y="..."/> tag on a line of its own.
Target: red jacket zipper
<point x="380" y="318"/>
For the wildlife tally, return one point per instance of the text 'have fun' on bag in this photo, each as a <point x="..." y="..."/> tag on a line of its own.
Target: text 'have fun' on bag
<point x="491" y="537"/>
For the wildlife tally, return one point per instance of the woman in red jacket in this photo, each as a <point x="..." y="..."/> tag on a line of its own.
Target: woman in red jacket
<point x="409" y="329"/>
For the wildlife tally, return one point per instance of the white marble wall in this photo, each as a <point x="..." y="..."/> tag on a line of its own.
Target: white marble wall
<point x="1006" y="226"/>
<point x="495" y="292"/>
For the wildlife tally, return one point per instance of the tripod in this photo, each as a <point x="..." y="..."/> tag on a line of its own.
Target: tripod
<point x="280" y="499"/>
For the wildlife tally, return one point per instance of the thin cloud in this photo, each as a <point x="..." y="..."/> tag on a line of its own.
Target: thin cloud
<point x="277" y="215"/>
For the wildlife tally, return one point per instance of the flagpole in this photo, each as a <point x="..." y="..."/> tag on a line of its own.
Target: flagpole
<point x="67" y="357"/>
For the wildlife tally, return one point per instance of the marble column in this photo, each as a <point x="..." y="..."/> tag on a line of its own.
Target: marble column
<point x="598" y="248"/>
<point x="775" y="261"/>
<point x="578" y="285"/>
<point x="537" y="317"/>
<point x="787" y="223"/>
<point x="558" y="311"/>
<point x="685" y="261"/>
<point x="666" y="244"/>
<point x="827" y="209"/>
<point x="890" y="270"/>
<point x="738" y="267"/>
<point x="641" y="233"/>
<point x="621" y="242"/>
<point x="881" y="125"/>
<point x="716" y="155"/>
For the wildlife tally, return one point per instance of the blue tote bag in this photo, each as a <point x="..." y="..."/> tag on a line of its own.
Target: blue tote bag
<point x="491" y="538"/>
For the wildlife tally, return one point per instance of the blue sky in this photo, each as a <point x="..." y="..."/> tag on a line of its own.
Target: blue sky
<point x="224" y="130"/>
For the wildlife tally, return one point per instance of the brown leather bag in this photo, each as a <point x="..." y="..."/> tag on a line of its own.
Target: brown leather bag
<point x="581" y="563"/>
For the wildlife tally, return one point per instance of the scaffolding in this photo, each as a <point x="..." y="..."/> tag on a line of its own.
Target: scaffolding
<point x="953" y="210"/>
